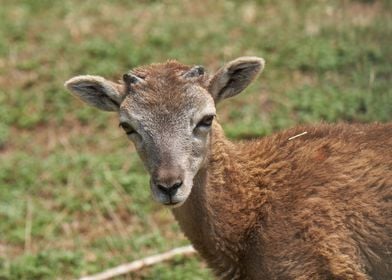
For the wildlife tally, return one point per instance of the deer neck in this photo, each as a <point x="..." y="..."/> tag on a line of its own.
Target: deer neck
<point x="209" y="216"/>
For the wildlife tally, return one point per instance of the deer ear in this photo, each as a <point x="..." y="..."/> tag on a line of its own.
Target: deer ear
<point x="96" y="91"/>
<point x="234" y="77"/>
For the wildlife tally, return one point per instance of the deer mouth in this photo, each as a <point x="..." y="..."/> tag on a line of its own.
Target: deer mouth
<point x="173" y="204"/>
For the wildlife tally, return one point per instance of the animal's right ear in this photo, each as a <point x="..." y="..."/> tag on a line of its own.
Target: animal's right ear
<point x="96" y="91"/>
<point x="234" y="77"/>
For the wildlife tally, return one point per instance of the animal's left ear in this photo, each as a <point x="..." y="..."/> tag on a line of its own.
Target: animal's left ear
<point x="234" y="77"/>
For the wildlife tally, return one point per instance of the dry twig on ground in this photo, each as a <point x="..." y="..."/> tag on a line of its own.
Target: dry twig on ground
<point x="139" y="264"/>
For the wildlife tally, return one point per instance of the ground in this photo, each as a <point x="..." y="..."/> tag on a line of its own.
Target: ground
<point x="74" y="198"/>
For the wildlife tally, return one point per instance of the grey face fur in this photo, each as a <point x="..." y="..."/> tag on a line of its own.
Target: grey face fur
<point x="171" y="143"/>
<point x="167" y="110"/>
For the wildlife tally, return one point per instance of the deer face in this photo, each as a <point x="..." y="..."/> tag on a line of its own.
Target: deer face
<point x="167" y="111"/>
<point x="170" y="128"/>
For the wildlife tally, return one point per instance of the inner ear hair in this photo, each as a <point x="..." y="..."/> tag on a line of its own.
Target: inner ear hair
<point x="96" y="91"/>
<point x="234" y="77"/>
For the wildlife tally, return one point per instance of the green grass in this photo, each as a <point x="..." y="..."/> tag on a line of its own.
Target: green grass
<point x="74" y="198"/>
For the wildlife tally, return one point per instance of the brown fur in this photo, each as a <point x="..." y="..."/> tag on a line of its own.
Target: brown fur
<point x="163" y="81"/>
<point x="315" y="206"/>
<point x="318" y="206"/>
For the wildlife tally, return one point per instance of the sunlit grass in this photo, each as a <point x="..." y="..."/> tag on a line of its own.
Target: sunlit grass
<point x="74" y="198"/>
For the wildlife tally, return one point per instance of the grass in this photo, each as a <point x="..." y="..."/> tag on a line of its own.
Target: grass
<point x="73" y="195"/>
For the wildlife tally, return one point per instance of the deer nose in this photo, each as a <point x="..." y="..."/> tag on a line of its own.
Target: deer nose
<point x="168" y="180"/>
<point x="169" y="189"/>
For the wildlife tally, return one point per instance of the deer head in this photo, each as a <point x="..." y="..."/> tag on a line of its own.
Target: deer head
<point x="167" y="111"/>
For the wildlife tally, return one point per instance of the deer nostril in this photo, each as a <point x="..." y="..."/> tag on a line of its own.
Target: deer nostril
<point x="162" y="188"/>
<point x="176" y="185"/>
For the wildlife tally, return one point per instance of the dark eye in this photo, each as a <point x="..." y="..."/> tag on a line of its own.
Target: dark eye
<point x="206" y="121"/>
<point x="127" y="128"/>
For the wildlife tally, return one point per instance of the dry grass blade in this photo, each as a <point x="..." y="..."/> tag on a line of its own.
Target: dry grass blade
<point x="298" y="135"/>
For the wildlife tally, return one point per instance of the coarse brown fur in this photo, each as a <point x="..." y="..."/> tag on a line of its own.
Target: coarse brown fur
<point x="318" y="206"/>
<point x="313" y="202"/>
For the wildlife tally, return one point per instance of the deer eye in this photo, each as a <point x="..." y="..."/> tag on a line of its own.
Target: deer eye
<point x="127" y="128"/>
<point x="206" y="121"/>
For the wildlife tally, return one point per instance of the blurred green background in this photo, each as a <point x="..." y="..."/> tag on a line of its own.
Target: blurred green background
<point x="74" y="198"/>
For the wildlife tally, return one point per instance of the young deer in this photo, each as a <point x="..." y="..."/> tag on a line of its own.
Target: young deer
<point x="294" y="205"/>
